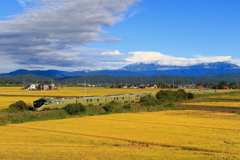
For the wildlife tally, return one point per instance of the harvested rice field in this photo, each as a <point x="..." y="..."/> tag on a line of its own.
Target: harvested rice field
<point x="229" y="103"/>
<point x="203" y="128"/>
<point x="158" y="135"/>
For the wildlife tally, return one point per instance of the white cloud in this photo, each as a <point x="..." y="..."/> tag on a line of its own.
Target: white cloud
<point x="48" y="32"/>
<point x="157" y="57"/>
<point x="116" y="52"/>
<point x="24" y="2"/>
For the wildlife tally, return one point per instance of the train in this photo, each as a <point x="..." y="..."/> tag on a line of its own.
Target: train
<point x="58" y="103"/>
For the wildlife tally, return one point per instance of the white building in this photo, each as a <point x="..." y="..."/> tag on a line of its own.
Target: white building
<point x="31" y="87"/>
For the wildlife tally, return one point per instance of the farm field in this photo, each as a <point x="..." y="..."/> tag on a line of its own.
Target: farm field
<point x="234" y="97"/>
<point x="224" y="103"/>
<point x="158" y="135"/>
<point x="197" y="129"/>
<point x="73" y="91"/>
<point x="9" y="95"/>
<point x="214" y="104"/>
<point x="5" y="101"/>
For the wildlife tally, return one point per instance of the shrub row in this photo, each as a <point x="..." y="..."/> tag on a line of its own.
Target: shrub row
<point x="165" y="98"/>
<point x="74" y="109"/>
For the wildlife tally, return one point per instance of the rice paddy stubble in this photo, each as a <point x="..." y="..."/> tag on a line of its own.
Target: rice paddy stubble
<point x="140" y="135"/>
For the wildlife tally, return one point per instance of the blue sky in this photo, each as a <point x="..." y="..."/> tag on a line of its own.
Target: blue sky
<point x="76" y="35"/>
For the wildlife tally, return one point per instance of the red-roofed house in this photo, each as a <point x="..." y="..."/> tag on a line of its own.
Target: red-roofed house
<point x="199" y="87"/>
<point x="225" y="87"/>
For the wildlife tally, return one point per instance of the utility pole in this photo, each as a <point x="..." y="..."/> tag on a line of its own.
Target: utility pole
<point x="37" y="84"/>
<point x="23" y="82"/>
<point x="52" y="85"/>
<point x="84" y="88"/>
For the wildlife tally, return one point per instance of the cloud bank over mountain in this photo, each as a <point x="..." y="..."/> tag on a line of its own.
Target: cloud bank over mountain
<point x="161" y="59"/>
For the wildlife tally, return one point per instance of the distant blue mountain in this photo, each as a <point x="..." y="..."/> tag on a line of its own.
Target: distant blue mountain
<point x="46" y="73"/>
<point x="141" y="69"/>
<point x="199" y="70"/>
<point x="158" y="67"/>
<point x="56" y="73"/>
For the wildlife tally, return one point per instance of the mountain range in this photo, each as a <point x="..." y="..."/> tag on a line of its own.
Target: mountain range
<point x="143" y="69"/>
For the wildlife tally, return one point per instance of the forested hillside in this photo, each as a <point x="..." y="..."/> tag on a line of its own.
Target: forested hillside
<point x="29" y="78"/>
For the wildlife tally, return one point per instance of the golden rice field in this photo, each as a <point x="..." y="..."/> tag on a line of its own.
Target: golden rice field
<point x="214" y="104"/>
<point x="173" y="135"/>
<point x="226" y="90"/>
<point x="225" y="101"/>
<point x="71" y="91"/>
<point x="226" y="97"/>
<point x="9" y="95"/>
